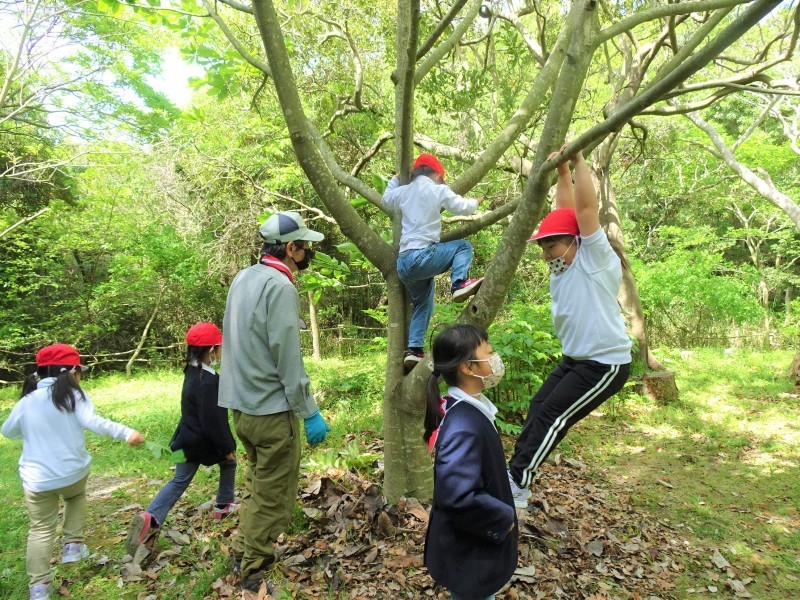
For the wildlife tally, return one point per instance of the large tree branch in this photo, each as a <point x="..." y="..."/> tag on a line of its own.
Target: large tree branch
<point x="763" y="185"/>
<point x="661" y="11"/>
<point x="440" y="27"/>
<point x="542" y="84"/>
<point x="446" y="46"/>
<point x="258" y="64"/>
<point x="406" y="41"/>
<point x="342" y="176"/>
<point x="306" y="149"/>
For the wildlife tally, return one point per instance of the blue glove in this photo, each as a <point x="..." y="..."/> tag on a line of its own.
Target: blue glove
<point x="316" y="429"/>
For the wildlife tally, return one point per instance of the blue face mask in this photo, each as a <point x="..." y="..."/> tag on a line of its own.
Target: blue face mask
<point x="559" y="265"/>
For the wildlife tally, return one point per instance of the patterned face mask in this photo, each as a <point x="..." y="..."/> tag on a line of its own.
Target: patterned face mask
<point x="559" y="265"/>
<point x="498" y="370"/>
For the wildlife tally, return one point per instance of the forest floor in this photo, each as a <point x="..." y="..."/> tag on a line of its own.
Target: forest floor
<point x="698" y="499"/>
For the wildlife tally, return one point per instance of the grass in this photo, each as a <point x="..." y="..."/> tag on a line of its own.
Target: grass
<point x="728" y="448"/>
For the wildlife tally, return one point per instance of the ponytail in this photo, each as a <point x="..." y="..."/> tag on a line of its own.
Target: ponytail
<point x="455" y="345"/>
<point x="29" y="384"/>
<point x="194" y="357"/>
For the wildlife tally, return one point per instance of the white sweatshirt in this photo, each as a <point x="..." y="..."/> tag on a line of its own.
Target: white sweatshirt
<point x="421" y="203"/>
<point x="53" y="444"/>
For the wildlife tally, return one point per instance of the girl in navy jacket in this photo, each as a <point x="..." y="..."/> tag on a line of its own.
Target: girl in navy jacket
<point x="471" y="543"/>
<point x="203" y="434"/>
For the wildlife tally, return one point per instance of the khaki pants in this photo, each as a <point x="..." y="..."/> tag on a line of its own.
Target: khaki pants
<point x="272" y="443"/>
<point x="43" y="514"/>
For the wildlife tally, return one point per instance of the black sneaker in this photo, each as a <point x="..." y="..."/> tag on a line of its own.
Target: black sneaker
<point x="254" y="585"/>
<point x="235" y="565"/>
<point x="412" y="357"/>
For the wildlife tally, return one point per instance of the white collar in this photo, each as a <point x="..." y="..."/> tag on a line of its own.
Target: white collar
<point x="481" y="402"/>
<point x="205" y="367"/>
<point x="45" y="382"/>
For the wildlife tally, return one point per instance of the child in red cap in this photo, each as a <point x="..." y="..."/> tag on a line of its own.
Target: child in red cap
<point x="50" y="418"/>
<point x="585" y="275"/>
<point x="422" y="256"/>
<point x="203" y="434"/>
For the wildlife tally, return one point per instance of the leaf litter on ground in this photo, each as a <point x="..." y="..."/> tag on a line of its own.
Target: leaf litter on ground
<point x="578" y="539"/>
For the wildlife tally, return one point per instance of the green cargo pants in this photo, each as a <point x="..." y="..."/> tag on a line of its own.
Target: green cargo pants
<point x="272" y="443"/>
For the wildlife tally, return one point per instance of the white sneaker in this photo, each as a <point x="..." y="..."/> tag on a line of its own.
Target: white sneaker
<point x="73" y="552"/>
<point x="520" y="495"/>
<point x="40" y="591"/>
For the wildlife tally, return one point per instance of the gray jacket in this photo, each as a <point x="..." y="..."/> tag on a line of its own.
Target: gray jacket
<point x="262" y="365"/>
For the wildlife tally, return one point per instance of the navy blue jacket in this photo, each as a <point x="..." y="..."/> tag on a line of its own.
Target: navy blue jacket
<point x="203" y="432"/>
<point x="471" y="546"/>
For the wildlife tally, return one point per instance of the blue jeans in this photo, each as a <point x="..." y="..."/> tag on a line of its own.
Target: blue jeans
<point x="417" y="268"/>
<point x="184" y="473"/>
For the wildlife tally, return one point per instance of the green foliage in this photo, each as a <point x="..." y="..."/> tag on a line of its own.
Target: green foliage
<point x="158" y="451"/>
<point x="693" y="295"/>
<point x="352" y="456"/>
<point x="523" y="337"/>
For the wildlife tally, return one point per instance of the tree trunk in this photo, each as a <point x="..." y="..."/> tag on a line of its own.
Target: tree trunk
<point x="407" y="463"/>
<point x="794" y="370"/>
<point x="628" y="296"/>
<point x="312" y="317"/>
<point x="134" y="356"/>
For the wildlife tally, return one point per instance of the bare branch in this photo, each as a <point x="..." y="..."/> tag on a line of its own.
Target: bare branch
<point x="382" y="138"/>
<point x="238" y="6"/>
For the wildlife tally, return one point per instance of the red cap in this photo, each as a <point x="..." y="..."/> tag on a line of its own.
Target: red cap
<point x="62" y="355"/>
<point x="204" y="334"/>
<point x="429" y="160"/>
<point x="561" y="221"/>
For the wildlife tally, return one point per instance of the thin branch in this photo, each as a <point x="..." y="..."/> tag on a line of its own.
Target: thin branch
<point x="440" y="27"/>
<point x="446" y="46"/>
<point x="362" y="162"/>
<point x="23" y="221"/>
<point x="258" y="64"/>
<point x="662" y="11"/>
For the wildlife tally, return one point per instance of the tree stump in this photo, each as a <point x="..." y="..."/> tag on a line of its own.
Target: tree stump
<point x="660" y="386"/>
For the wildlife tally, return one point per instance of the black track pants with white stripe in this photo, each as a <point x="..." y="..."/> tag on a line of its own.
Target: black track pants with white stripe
<point x="573" y="390"/>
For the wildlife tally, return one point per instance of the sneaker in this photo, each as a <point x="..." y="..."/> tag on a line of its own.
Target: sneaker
<point x="520" y="495"/>
<point x="254" y="585"/>
<point x="143" y="531"/>
<point x="235" y="565"/>
<point x="73" y="552"/>
<point x="40" y="591"/>
<point x="412" y="357"/>
<point x="465" y="289"/>
<point x="221" y="513"/>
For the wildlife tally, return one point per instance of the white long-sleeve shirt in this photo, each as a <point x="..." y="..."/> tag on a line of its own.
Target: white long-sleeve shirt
<point x="421" y="203"/>
<point x="53" y="443"/>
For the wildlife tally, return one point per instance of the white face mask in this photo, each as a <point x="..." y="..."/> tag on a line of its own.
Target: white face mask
<point x="559" y="265"/>
<point x="498" y="370"/>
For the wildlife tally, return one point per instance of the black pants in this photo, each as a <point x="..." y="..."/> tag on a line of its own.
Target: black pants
<point x="573" y="390"/>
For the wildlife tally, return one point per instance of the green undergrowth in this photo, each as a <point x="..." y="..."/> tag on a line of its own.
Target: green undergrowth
<point x="720" y="466"/>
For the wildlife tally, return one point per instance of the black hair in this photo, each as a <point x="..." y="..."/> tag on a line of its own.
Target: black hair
<point x="453" y="346"/>
<point x="423" y="170"/>
<point x="66" y="390"/>
<point x="194" y="357"/>
<point x="277" y="250"/>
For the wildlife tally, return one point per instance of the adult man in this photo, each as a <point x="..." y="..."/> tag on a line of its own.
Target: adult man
<point x="264" y="382"/>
